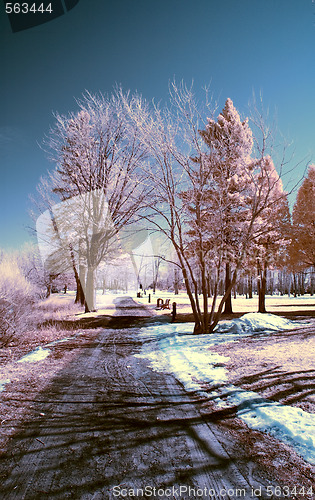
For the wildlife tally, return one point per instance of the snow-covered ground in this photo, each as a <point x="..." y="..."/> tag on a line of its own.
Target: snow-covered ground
<point x="173" y="349"/>
<point x="274" y="303"/>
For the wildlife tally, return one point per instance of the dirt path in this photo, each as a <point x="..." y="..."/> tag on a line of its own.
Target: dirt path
<point x="109" y="425"/>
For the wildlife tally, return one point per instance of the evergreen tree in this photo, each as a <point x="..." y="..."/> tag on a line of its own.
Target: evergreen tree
<point x="231" y="139"/>
<point x="219" y="204"/>
<point x="302" y="249"/>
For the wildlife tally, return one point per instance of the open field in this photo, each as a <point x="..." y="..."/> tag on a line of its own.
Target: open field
<point x="275" y="304"/>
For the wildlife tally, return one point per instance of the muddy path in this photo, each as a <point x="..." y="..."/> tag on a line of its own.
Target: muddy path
<point x="108" y="425"/>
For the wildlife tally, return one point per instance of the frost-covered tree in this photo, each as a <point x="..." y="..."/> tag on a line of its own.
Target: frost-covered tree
<point x="230" y="144"/>
<point x="60" y="257"/>
<point x="171" y="138"/>
<point x="98" y="154"/>
<point x="207" y="196"/>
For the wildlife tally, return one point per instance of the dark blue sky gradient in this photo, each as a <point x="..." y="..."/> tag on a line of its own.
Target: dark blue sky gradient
<point x="238" y="46"/>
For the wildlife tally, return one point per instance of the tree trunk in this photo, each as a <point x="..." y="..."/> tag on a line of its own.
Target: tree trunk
<point x="302" y="288"/>
<point x="156" y="267"/>
<point x="80" y="295"/>
<point x="214" y="295"/>
<point x="228" y="303"/>
<point x="79" y="298"/>
<point x="197" y="317"/>
<point x="90" y="292"/>
<point x="81" y="285"/>
<point x="261" y="285"/>
<point x="294" y="285"/>
<point x="289" y="284"/>
<point x="271" y="283"/>
<point x="176" y="281"/>
<point x="282" y="286"/>
<point x="209" y="285"/>
<point x="204" y="291"/>
<point x="250" y="286"/>
<point x="223" y="300"/>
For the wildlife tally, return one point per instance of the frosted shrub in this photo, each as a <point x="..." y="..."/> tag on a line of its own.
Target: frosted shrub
<point x="17" y="297"/>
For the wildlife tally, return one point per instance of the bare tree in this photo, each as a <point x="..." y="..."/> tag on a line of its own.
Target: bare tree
<point x="57" y="255"/>
<point x="98" y="153"/>
<point x="208" y="195"/>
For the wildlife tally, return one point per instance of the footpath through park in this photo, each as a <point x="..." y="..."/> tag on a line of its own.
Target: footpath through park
<point x="110" y="427"/>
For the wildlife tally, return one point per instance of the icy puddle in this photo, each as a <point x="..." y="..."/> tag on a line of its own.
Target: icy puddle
<point x="171" y="348"/>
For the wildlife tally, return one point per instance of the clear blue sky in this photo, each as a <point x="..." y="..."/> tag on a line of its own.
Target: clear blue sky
<point x="238" y="46"/>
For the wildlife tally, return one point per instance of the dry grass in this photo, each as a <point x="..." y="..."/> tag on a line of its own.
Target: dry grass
<point x="57" y="307"/>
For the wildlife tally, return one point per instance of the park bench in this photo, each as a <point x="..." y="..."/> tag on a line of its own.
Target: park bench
<point x="166" y="305"/>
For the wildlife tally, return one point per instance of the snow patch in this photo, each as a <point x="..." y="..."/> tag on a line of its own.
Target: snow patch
<point x="290" y="424"/>
<point x="171" y="348"/>
<point x="255" y="322"/>
<point x="37" y="355"/>
<point x="3" y="382"/>
<point x="55" y="342"/>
